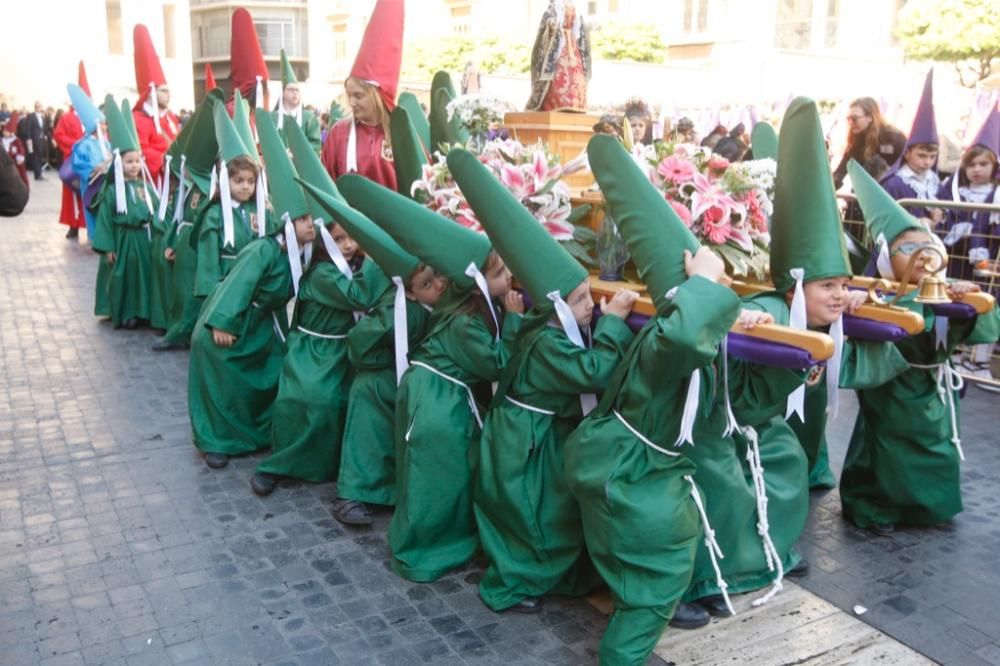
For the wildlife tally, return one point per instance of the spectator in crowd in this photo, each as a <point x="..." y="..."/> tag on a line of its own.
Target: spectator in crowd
<point x="684" y="131"/>
<point x="714" y="137"/>
<point x="4" y="112"/>
<point x="470" y="79"/>
<point x="868" y="134"/>
<point x="38" y="131"/>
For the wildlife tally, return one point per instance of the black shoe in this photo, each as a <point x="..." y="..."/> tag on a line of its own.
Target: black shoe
<point x="689" y="616"/>
<point x="163" y="346"/>
<point x="263" y="484"/>
<point x="351" y="512"/>
<point x="528" y="606"/>
<point x="800" y="570"/>
<point x="883" y="529"/>
<point x="130" y="324"/>
<point x="715" y="604"/>
<point x="73" y="233"/>
<point x="216" y="460"/>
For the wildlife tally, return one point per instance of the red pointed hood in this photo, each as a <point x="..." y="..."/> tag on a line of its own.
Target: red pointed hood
<point x="81" y="79"/>
<point x="210" y="83"/>
<point x="381" y="53"/>
<point x="147" y="64"/>
<point x="246" y="57"/>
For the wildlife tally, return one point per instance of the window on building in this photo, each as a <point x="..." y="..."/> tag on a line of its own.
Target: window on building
<point x="592" y="7"/>
<point x="211" y="39"/>
<point x="793" y="29"/>
<point x="113" y="10"/>
<point x="340" y="41"/>
<point x="695" y="20"/>
<point x="461" y="10"/>
<point x="277" y="34"/>
<point x="169" y="41"/>
<point x="832" y="16"/>
<point x="612" y="6"/>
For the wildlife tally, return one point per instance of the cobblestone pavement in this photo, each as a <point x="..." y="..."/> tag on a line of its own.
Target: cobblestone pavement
<point x="118" y="546"/>
<point x="936" y="590"/>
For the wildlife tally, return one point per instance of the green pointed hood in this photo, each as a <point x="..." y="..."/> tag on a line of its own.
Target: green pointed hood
<point x="119" y="133"/>
<point x="201" y="149"/>
<point x="536" y="259"/>
<point x="177" y="146"/>
<point x="656" y="236"/>
<point x="287" y="73"/>
<point x="286" y="194"/>
<point x="230" y="143"/>
<point x="437" y="241"/>
<point x="442" y="79"/>
<point x="410" y="102"/>
<point x="241" y="120"/>
<point x="377" y="244"/>
<point x="130" y="121"/>
<point x="443" y="131"/>
<point x="806" y="230"/>
<point x="335" y="114"/>
<point x="310" y="170"/>
<point x="764" y="142"/>
<point x="407" y="151"/>
<point x="883" y="216"/>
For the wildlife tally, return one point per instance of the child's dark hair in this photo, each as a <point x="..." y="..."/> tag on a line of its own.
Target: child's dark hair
<point x="876" y="166"/>
<point x="971" y="154"/>
<point x="242" y="163"/>
<point x="320" y="253"/>
<point x="476" y="302"/>
<point x="408" y="284"/>
<point x="929" y="147"/>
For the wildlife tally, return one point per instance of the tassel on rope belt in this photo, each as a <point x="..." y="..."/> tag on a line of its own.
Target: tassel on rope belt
<point x="468" y="391"/>
<point x="714" y="552"/>
<point x="948" y="381"/>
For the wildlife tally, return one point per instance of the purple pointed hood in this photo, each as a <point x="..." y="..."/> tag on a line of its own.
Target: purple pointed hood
<point x="988" y="135"/>
<point x="924" y="128"/>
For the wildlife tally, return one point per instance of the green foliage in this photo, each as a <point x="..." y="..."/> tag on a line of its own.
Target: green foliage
<point x="492" y="54"/>
<point x="633" y="42"/>
<point x="963" y="32"/>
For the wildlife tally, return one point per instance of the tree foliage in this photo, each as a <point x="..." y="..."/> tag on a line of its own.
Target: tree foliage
<point x="491" y="53"/>
<point x="632" y="42"/>
<point x="963" y="32"/>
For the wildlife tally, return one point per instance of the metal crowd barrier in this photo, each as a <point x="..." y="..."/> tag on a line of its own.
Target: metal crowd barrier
<point x="979" y="364"/>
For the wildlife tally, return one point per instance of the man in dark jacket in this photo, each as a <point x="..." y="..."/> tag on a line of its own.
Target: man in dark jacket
<point x="38" y="132"/>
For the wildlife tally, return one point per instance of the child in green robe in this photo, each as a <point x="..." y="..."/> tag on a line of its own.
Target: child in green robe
<point x="437" y="415"/>
<point x="529" y="523"/>
<point x="239" y="338"/>
<point x="159" y="297"/>
<point x="625" y="464"/>
<point x="902" y="465"/>
<point x="122" y="231"/>
<point x="193" y="165"/>
<point x="235" y="218"/>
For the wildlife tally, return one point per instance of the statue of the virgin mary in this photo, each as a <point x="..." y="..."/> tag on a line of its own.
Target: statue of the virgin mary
<point x="560" y="60"/>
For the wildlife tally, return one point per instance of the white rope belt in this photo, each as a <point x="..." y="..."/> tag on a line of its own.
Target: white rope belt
<point x="714" y="552"/>
<point x="321" y="335"/>
<point x="530" y="408"/>
<point x="763" y="527"/>
<point x="948" y="381"/>
<point x="274" y="316"/>
<point x="472" y="400"/>
<point x="642" y="438"/>
<point x="227" y="256"/>
<point x="185" y="224"/>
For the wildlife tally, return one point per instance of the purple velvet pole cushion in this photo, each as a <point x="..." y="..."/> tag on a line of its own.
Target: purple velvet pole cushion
<point x="874" y="331"/>
<point x="954" y="310"/>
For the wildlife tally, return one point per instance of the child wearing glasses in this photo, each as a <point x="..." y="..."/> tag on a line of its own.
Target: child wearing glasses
<point x="902" y="465"/>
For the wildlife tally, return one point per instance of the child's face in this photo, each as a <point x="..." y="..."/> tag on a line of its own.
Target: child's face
<point x="348" y="247"/>
<point x="427" y="285"/>
<point x="920" y="159"/>
<point x="131" y="165"/>
<point x="905" y="246"/>
<point x="7" y="134"/>
<point x="825" y="300"/>
<point x="581" y="304"/>
<point x="362" y="106"/>
<point x="979" y="171"/>
<point x="305" y="232"/>
<point x="242" y="184"/>
<point x="498" y="279"/>
<point x="638" y="129"/>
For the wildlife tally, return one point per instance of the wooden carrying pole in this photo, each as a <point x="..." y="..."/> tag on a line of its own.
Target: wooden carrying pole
<point x="819" y="345"/>
<point x="909" y="321"/>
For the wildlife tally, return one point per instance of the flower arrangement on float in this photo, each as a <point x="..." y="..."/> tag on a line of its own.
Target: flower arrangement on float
<point x="726" y="205"/>
<point x="531" y="173"/>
